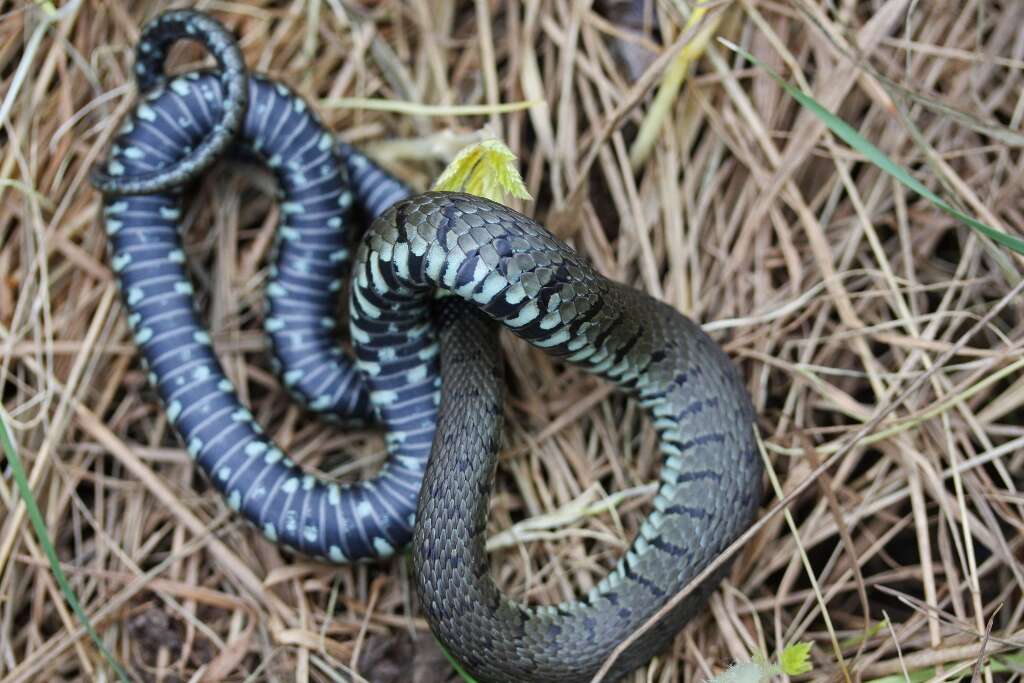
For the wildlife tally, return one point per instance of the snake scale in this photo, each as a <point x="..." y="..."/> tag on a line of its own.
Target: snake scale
<point x="428" y="370"/>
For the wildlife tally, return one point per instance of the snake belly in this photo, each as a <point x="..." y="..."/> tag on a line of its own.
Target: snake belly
<point x="514" y="271"/>
<point x="338" y="523"/>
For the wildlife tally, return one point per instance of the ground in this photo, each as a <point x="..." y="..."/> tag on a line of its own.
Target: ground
<point x="879" y="336"/>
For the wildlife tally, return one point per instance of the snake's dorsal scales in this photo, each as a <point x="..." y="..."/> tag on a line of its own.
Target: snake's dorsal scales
<point x="492" y="262"/>
<point x="514" y="271"/>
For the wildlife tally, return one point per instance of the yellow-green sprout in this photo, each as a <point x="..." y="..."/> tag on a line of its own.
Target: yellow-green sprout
<point x="794" y="660"/>
<point x="486" y="169"/>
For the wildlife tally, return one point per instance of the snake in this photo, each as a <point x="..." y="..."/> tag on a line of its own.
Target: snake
<point x="432" y="280"/>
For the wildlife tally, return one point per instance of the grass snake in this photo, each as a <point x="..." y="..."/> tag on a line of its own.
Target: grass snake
<point x="429" y="279"/>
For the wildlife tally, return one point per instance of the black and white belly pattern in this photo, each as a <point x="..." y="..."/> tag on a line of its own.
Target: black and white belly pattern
<point x="337" y="522"/>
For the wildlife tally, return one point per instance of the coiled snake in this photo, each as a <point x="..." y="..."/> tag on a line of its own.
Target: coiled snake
<point x="493" y="264"/>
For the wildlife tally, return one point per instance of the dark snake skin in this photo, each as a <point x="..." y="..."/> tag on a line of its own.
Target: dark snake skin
<point x="490" y="261"/>
<point x="514" y="271"/>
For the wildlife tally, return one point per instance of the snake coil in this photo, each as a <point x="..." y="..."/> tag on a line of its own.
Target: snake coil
<point x="491" y="264"/>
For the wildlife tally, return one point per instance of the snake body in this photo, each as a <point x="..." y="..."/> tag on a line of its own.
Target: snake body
<point x="488" y="262"/>
<point x="339" y="523"/>
<point x="515" y="272"/>
<point x="156" y="40"/>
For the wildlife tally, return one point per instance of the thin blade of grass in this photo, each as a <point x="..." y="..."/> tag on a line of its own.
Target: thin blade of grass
<point x="858" y="142"/>
<point x="671" y="83"/>
<point x="455" y="663"/>
<point x="36" y="517"/>
<point x="418" y="109"/>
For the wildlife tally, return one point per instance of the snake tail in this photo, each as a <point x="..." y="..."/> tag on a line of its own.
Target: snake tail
<point x="114" y="177"/>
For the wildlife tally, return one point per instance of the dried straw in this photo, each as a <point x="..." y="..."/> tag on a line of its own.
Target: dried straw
<point x="889" y="402"/>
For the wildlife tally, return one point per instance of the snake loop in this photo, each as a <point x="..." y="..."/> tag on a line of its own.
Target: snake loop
<point x="157" y="38"/>
<point x="336" y="522"/>
<point x="489" y="262"/>
<point x="514" y="271"/>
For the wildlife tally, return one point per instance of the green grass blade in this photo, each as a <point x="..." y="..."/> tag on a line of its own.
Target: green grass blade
<point x="36" y="517"/>
<point x="856" y="640"/>
<point x="455" y="663"/>
<point x="1010" y="662"/>
<point x="848" y="134"/>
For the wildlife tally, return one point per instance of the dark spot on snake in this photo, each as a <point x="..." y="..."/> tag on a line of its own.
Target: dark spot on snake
<point x="602" y="337"/>
<point x="465" y="273"/>
<point x="654" y="396"/>
<point x="532" y="331"/>
<point x="693" y="409"/>
<point x="480" y="287"/>
<point x="699" y="475"/>
<point x="628" y="384"/>
<point x="500" y="308"/>
<point x="448" y="211"/>
<point x="544" y="296"/>
<point x="401" y="217"/>
<point x="686" y="511"/>
<point x="669" y="548"/>
<point x="702" y="440"/>
<point x="644" y="581"/>
<point x="504" y="249"/>
<point x="585" y="316"/>
<point x="628" y="345"/>
<point x="390" y="276"/>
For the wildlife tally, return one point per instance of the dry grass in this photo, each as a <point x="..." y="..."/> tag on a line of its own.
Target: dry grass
<point x="845" y="300"/>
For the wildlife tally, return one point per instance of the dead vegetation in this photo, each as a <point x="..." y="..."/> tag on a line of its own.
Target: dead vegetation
<point x="881" y="339"/>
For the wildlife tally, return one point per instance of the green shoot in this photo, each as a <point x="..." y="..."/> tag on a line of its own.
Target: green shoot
<point x="794" y="660"/>
<point x="36" y="517"/>
<point x="486" y="169"/>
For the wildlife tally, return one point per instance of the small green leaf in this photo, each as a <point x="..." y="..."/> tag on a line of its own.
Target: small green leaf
<point x="795" y="659"/>
<point x="486" y="169"/>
